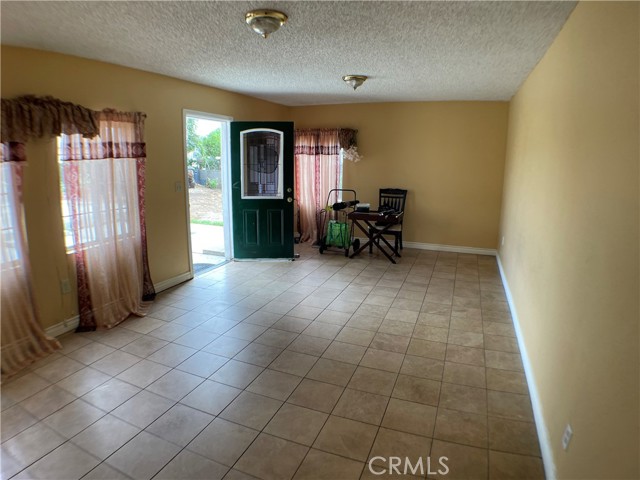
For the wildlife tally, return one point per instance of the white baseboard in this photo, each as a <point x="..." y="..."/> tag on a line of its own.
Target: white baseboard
<point x="63" y="327"/>
<point x="541" y="427"/>
<point x="445" y="248"/>
<point x="451" y="248"/>
<point x="172" y="282"/>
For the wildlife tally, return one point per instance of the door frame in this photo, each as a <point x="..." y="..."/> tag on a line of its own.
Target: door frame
<point x="225" y="175"/>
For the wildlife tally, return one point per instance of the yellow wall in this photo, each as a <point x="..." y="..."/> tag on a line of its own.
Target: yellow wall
<point x="449" y="155"/>
<point x="99" y="85"/>
<point x="570" y="222"/>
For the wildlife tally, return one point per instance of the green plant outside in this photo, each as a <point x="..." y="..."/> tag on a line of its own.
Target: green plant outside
<point x="215" y="223"/>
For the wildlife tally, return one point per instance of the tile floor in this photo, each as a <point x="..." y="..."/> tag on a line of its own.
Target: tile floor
<point x="302" y="369"/>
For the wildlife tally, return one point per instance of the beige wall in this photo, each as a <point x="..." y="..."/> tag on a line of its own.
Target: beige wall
<point x="570" y="223"/>
<point x="98" y="85"/>
<point x="449" y="155"/>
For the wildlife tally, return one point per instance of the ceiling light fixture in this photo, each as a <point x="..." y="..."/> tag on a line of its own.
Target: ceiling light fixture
<point x="265" y="22"/>
<point x="354" y="81"/>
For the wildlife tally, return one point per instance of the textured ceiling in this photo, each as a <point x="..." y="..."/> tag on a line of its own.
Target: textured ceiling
<point x="412" y="51"/>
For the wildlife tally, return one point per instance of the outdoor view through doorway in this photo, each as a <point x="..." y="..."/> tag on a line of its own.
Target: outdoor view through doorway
<point x="205" y="182"/>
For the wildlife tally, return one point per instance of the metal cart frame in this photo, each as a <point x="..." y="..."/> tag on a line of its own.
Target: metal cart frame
<point x="341" y="217"/>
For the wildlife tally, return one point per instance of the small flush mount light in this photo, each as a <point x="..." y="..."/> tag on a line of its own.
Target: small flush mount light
<point x="354" y="81"/>
<point x="265" y="22"/>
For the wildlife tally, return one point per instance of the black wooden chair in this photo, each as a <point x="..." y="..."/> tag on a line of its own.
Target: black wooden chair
<point x="393" y="200"/>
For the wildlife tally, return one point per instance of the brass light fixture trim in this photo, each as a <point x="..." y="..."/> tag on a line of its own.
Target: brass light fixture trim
<point x="354" y="81"/>
<point x="265" y="22"/>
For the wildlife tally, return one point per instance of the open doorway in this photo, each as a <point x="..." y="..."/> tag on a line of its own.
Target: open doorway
<point x="206" y="170"/>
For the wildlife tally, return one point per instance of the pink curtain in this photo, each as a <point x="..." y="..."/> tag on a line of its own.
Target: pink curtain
<point x="23" y="340"/>
<point x="103" y="188"/>
<point x="317" y="171"/>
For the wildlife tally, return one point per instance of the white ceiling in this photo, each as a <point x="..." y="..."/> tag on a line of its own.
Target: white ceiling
<point x="412" y="51"/>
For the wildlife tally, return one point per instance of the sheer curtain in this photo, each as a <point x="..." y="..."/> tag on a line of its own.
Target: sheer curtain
<point x="317" y="170"/>
<point x="23" y="340"/>
<point x="103" y="189"/>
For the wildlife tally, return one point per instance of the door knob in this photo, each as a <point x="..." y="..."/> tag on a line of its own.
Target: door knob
<point x="289" y="190"/>
<point x="289" y="199"/>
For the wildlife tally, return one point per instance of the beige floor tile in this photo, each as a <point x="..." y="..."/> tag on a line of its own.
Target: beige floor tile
<point x="91" y="353"/>
<point x="331" y="371"/>
<point x="144" y="456"/>
<point x="513" y="436"/>
<point x="361" y="406"/>
<point x="396" y="327"/>
<point x="355" y="336"/>
<point x="373" y="381"/>
<point x="211" y="397"/>
<point x="463" y="462"/>
<point x="333" y="317"/>
<point x="189" y="466"/>
<point x="410" y="417"/>
<point x="47" y="401"/>
<point x="422" y="367"/>
<point x="502" y="344"/>
<point x="322" y="330"/>
<point x="223" y="442"/>
<point x="292" y="324"/>
<point x="144" y="346"/>
<point x="506" y="381"/>
<point x="271" y="458"/>
<point x="237" y="374"/>
<point x="66" y="461"/>
<point x="466" y="339"/>
<point x="461" y="427"/>
<point x="316" y="395"/>
<point x="297" y="424"/>
<point x="14" y="420"/>
<point x="29" y="384"/>
<point x="391" y="443"/>
<point x="180" y="424"/>
<point x="111" y="394"/>
<point x="466" y="324"/>
<point x="382" y="360"/>
<point x="436" y="308"/>
<point x="143" y="373"/>
<point x="226" y="346"/>
<point x="426" y="348"/>
<point x="434" y="320"/>
<point x="415" y="389"/>
<point x="258" y="354"/>
<point x="503" y="360"/>
<point x="510" y="405"/>
<point x="294" y="363"/>
<point x="433" y="334"/>
<point x="105" y="472"/>
<point x="309" y="345"/>
<point x="276" y="338"/>
<point x="409" y="316"/>
<point x="251" y="410"/>
<point x="390" y="343"/>
<point x="462" y="374"/>
<point x="463" y="398"/>
<point x="465" y="355"/>
<point x="508" y="465"/>
<point x="115" y="363"/>
<point x="31" y="444"/>
<point x="171" y="355"/>
<point x="105" y="436"/>
<point x="344" y="352"/>
<point x="346" y="438"/>
<point x="273" y="384"/>
<point x="175" y="384"/>
<point x="319" y="465"/>
<point x="73" y="418"/>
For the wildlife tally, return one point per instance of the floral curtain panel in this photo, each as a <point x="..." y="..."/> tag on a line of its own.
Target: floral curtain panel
<point x="104" y="188"/>
<point x="23" y="340"/>
<point x="317" y="171"/>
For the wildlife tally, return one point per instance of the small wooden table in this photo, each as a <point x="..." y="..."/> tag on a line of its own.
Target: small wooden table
<point x="374" y="225"/>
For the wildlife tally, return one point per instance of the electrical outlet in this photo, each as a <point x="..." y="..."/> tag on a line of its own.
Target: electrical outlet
<point x="566" y="436"/>
<point x="502" y="242"/>
<point x="65" y="286"/>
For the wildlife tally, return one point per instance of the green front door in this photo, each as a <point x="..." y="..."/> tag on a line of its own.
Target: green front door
<point x="262" y="189"/>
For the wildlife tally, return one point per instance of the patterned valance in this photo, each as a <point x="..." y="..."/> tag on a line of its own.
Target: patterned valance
<point x="323" y="141"/>
<point x="29" y="117"/>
